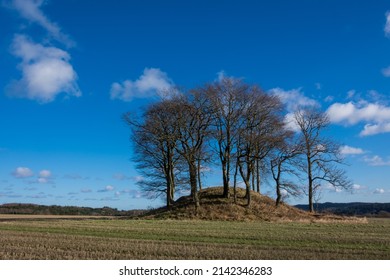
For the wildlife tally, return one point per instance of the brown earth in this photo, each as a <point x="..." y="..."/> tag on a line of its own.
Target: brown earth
<point x="214" y="207"/>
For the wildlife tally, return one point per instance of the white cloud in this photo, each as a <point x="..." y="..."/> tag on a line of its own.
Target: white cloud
<point x="347" y="150"/>
<point x="386" y="71"/>
<point x="357" y="187"/>
<point x="360" y="189"/>
<point x="42" y="180"/>
<point x="294" y="98"/>
<point x="152" y="82"/>
<point x="339" y="112"/>
<point x="376" y="161"/>
<point x="290" y="122"/>
<point x="338" y="190"/>
<point x="387" y="25"/>
<point x="23" y="172"/>
<point x="123" y="177"/>
<point x="109" y="188"/>
<point x="138" y="194"/>
<point x="372" y="129"/>
<point x="284" y="193"/>
<point x="31" y="10"/>
<point x="45" y="174"/>
<point x="379" y="191"/>
<point x="332" y="188"/>
<point x="376" y="116"/>
<point x="46" y="72"/>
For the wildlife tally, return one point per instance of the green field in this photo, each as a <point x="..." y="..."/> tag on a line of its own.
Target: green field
<point x="169" y="239"/>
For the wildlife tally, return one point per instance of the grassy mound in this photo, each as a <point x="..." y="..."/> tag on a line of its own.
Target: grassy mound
<point x="214" y="207"/>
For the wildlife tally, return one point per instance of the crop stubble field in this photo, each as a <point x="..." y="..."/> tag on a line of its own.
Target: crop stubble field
<point x="110" y="239"/>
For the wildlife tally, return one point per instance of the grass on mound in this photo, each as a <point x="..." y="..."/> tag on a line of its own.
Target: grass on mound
<point x="213" y="206"/>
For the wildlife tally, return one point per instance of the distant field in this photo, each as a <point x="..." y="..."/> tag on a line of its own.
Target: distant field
<point x="8" y="217"/>
<point x="169" y="239"/>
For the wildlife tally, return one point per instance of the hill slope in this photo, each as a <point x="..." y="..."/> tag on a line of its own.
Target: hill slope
<point x="215" y="207"/>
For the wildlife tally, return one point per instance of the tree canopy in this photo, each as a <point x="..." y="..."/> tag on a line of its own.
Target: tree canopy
<point x="240" y="129"/>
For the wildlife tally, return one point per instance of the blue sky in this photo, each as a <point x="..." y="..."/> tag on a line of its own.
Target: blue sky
<point x="69" y="69"/>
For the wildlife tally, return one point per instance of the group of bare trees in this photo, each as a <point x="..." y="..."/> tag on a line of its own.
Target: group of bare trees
<point x="239" y="128"/>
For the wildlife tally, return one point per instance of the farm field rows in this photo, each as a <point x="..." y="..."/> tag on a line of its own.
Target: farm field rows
<point x="170" y="239"/>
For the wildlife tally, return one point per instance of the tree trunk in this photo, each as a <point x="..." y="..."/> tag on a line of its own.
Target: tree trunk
<point x="311" y="206"/>
<point x="199" y="179"/>
<point x="253" y="180"/>
<point x="278" y="195"/>
<point x="170" y="177"/>
<point x="258" y="175"/>
<point x="173" y="184"/>
<point x="168" y="196"/>
<point x="194" y="184"/>
<point x="248" y="189"/>
<point x="225" y="178"/>
<point x="235" y="183"/>
<point x="246" y="178"/>
<point x="277" y="180"/>
<point x="310" y="181"/>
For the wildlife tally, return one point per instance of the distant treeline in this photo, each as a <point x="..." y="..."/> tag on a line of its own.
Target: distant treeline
<point x="34" y="209"/>
<point x="351" y="209"/>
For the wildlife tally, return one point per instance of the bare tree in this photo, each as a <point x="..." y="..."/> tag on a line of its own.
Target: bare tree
<point x="227" y="103"/>
<point x="246" y="128"/>
<point x="154" y="139"/>
<point x="321" y="156"/>
<point x="169" y="142"/>
<point x="192" y="121"/>
<point x="270" y="134"/>
<point x="259" y="133"/>
<point x="282" y="164"/>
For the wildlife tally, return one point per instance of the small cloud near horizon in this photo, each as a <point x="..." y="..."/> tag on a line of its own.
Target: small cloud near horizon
<point x="22" y="172"/>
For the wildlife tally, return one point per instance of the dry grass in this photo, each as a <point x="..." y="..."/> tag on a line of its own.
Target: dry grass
<point x="220" y="229"/>
<point x="262" y="208"/>
<point x="192" y="239"/>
